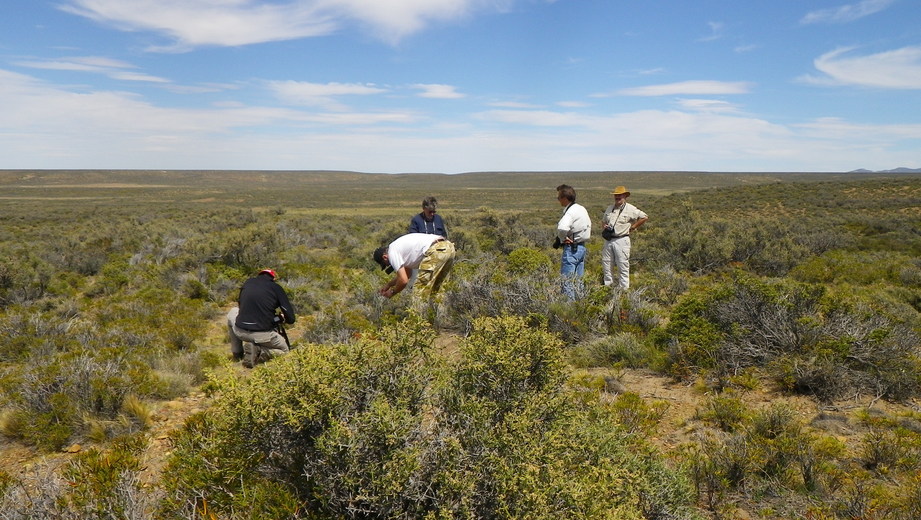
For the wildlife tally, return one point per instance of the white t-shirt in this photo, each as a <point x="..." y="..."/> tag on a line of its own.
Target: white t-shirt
<point x="409" y="250"/>
<point x="575" y="224"/>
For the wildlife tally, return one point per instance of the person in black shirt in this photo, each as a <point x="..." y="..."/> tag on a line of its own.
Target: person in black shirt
<point x="255" y="324"/>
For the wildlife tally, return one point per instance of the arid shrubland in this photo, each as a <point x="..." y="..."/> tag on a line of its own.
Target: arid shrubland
<point x="385" y="427"/>
<point x="807" y="288"/>
<point x="809" y="341"/>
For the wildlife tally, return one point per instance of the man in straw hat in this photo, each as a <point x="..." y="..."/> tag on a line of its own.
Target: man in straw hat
<point x="620" y="219"/>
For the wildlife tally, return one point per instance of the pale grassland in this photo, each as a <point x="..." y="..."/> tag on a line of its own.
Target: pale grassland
<point x="345" y="193"/>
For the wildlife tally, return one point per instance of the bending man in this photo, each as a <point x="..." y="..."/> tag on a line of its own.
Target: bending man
<point x="431" y="255"/>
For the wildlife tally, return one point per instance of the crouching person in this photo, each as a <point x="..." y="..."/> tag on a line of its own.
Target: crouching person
<point x="256" y="324"/>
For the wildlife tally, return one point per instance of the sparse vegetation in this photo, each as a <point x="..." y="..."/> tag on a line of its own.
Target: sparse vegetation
<point x="110" y="299"/>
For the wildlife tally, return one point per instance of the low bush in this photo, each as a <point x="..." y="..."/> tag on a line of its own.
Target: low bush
<point x="620" y="349"/>
<point x="769" y="452"/>
<point x="385" y="428"/>
<point x="808" y="341"/>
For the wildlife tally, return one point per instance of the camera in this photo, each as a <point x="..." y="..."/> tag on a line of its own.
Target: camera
<point x="557" y="243"/>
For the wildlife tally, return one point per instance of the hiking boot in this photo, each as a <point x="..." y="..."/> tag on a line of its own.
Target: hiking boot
<point x="247" y="364"/>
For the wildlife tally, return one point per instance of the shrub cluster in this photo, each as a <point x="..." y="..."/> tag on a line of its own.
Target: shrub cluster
<point x="385" y="428"/>
<point x="809" y="341"/>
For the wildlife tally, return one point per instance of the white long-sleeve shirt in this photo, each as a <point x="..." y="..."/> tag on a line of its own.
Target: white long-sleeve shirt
<point x="575" y="224"/>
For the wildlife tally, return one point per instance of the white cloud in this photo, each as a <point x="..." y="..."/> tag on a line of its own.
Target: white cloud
<point x="512" y="104"/>
<point x="716" y="31"/>
<point x="56" y="127"/>
<point x="895" y="69"/>
<point x="395" y="19"/>
<point x="535" y="117"/>
<point x="707" y="105"/>
<point x="115" y="69"/>
<point x="193" y="23"/>
<point x="573" y="104"/>
<point x="696" y="88"/>
<point x="437" y="91"/>
<point x="77" y="63"/>
<point x="320" y="94"/>
<point x="829" y="128"/>
<point x="137" y="76"/>
<point x="47" y="126"/>
<point x="702" y="140"/>
<point x="846" y="13"/>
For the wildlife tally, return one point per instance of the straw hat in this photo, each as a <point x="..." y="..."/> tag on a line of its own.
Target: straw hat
<point x="620" y="190"/>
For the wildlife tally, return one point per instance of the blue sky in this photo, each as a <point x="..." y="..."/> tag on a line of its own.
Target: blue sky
<point x="453" y="86"/>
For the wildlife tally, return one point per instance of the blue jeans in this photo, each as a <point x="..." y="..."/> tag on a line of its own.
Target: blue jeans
<point x="572" y="269"/>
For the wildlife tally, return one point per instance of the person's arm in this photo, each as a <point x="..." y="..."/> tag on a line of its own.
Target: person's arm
<point x="415" y="225"/>
<point x="563" y="227"/>
<point x="397" y="284"/>
<point x="604" y="218"/>
<point x="441" y="225"/>
<point x="287" y="310"/>
<point x="638" y="223"/>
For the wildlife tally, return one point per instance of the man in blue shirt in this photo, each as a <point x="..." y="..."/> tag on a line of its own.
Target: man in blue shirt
<point x="429" y="221"/>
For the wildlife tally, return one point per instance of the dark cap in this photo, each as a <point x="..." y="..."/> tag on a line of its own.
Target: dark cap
<point x="379" y="258"/>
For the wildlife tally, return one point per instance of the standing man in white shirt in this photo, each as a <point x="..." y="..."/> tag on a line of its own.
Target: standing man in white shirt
<point x="572" y="232"/>
<point x="620" y="219"/>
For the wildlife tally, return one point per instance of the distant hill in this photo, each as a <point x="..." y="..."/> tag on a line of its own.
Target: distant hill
<point x="895" y="170"/>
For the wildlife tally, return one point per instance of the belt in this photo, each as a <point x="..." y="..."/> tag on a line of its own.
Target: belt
<point x="251" y="330"/>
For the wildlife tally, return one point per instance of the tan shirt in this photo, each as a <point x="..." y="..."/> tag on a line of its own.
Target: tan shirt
<point x="622" y="220"/>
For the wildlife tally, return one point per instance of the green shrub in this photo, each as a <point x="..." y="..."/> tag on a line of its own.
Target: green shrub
<point x="620" y="349"/>
<point x="768" y="452"/>
<point x="383" y="427"/>
<point x="526" y="261"/>
<point x="104" y="484"/>
<point x="726" y="411"/>
<point x="853" y="267"/>
<point x="809" y="342"/>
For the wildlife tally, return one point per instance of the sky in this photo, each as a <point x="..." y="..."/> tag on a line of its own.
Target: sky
<point x="450" y="86"/>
